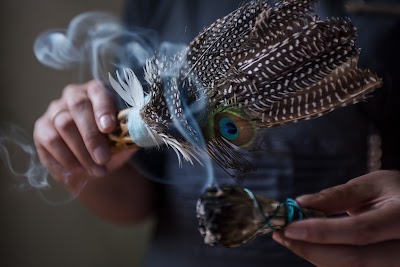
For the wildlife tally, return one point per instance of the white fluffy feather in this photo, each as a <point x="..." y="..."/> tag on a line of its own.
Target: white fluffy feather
<point x="129" y="88"/>
<point x="131" y="91"/>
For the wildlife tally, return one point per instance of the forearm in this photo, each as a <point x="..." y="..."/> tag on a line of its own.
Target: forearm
<point x="124" y="196"/>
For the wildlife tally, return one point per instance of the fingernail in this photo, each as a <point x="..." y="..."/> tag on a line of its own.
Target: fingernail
<point x="101" y="155"/>
<point x="107" y="121"/>
<point x="297" y="233"/>
<point x="99" y="171"/>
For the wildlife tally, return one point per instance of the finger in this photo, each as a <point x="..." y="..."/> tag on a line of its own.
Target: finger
<point x="103" y="106"/>
<point x="367" y="228"/>
<point x="48" y="139"/>
<point x="54" y="108"/>
<point x="81" y="111"/>
<point x="65" y="126"/>
<point x="320" y="255"/>
<point x="352" y="195"/>
<point x="72" y="180"/>
<point x="381" y="254"/>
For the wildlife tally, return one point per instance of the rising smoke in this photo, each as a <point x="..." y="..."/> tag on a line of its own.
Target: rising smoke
<point x="99" y="42"/>
<point x="19" y="154"/>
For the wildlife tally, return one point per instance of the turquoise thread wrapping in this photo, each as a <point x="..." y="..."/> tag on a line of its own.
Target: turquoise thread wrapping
<point x="293" y="211"/>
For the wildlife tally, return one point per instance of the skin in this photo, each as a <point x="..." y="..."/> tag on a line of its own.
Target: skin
<point x="368" y="237"/>
<point x="71" y="142"/>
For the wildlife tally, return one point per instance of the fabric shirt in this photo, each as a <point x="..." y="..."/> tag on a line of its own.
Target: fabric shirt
<point x="294" y="159"/>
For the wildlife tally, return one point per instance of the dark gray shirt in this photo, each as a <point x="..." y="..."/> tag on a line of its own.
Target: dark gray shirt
<point x="295" y="159"/>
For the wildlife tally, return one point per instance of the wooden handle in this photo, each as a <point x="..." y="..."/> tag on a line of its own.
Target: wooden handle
<point x="120" y="138"/>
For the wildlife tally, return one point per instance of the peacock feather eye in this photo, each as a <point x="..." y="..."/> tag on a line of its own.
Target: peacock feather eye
<point x="228" y="129"/>
<point x="235" y="127"/>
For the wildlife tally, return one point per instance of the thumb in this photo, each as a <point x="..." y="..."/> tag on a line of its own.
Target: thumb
<point x="339" y="199"/>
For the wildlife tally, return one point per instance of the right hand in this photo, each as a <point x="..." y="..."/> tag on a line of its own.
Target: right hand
<point x="70" y="135"/>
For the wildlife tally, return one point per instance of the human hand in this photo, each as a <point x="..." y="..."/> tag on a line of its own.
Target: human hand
<point x="70" y="135"/>
<point x="369" y="236"/>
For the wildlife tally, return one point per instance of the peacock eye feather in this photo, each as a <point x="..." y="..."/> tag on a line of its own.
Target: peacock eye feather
<point x="233" y="125"/>
<point x="228" y="129"/>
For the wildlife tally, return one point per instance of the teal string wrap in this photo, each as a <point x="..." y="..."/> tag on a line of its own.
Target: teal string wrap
<point x="293" y="211"/>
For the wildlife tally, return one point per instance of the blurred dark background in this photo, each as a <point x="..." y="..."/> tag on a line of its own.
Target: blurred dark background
<point x="34" y="233"/>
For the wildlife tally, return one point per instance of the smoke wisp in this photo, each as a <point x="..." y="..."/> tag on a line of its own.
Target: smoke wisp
<point x="19" y="155"/>
<point x="98" y="41"/>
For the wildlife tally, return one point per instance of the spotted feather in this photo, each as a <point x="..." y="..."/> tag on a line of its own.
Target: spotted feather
<point x="260" y="66"/>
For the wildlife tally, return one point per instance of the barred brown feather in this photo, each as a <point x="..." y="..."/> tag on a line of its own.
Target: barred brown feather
<point x="277" y="64"/>
<point x="260" y="66"/>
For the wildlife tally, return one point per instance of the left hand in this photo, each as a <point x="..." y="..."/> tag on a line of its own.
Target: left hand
<point x="368" y="237"/>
